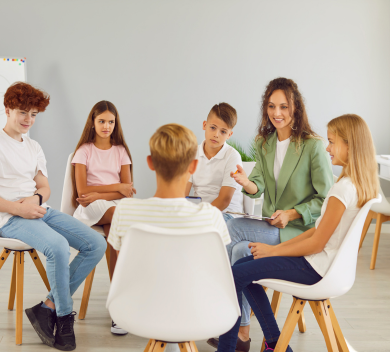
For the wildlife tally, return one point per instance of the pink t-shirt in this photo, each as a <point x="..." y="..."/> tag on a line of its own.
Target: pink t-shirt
<point x="103" y="166"/>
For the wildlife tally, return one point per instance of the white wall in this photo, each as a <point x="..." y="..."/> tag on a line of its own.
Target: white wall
<point x="170" y="61"/>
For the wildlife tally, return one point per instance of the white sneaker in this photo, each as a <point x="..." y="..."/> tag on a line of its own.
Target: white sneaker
<point x="116" y="330"/>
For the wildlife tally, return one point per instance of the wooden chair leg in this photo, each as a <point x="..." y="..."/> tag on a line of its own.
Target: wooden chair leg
<point x="113" y="259"/>
<point x="86" y="294"/>
<point x="315" y="309"/>
<point x="38" y="264"/>
<point x="341" y="343"/>
<point x="302" y="323"/>
<point x="185" y="347"/>
<point x="379" y="220"/>
<point x="193" y="346"/>
<point x="151" y="343"/>
<point x="160" y="346"/>
<point x="108" y="259"/>
<point x="19" y="296"/>
<point x="3" y="256"/>
<point x="275" y="303"/>
<point x="366" y="225"/>
<point x="12" y="290"/>
<point x="327" y="328"/>
<point x="290" y="324"/>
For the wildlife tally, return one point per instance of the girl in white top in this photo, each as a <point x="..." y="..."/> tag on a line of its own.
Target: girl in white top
<point x="306" y="258"/>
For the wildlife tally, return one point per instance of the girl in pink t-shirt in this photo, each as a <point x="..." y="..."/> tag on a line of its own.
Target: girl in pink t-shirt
<point x="102" y="172"/>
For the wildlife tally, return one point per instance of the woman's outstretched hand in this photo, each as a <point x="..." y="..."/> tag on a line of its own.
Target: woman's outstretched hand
<point x="260" y="250"/>
<point x="240" y="176"/>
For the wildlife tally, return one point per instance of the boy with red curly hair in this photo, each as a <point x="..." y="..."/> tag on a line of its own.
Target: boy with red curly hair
<point x="24" y="215"/>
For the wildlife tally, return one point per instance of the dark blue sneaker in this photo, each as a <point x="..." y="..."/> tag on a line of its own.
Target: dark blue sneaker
<point x="269" y="349"/>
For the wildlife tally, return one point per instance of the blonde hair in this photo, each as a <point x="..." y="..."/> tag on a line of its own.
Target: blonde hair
<point x="361" y="166"/>
<point x="172" y="148"/>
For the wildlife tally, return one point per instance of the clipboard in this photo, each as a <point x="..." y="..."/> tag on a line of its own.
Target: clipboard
<point x="248" y="216"/>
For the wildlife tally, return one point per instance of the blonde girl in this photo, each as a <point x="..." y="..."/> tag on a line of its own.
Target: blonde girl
<point x="306" y="258"/>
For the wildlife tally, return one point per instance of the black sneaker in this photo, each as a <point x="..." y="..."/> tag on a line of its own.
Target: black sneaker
<point x="42" y="320"/>
<point x="116" y="330"/>
<point x="65" y="339"/>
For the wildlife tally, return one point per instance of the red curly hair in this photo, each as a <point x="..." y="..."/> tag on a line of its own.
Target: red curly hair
<point x="24" y="96"/>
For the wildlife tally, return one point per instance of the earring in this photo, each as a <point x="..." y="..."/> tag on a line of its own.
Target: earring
<point x="292" y="126"/>
<point x="93" y="126"/>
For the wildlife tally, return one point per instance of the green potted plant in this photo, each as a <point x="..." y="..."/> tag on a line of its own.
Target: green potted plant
<point x="248" y="158"/>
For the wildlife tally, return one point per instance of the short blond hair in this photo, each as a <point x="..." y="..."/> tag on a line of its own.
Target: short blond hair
<point x="172" y="148"/>
<point x="361" y="166"/>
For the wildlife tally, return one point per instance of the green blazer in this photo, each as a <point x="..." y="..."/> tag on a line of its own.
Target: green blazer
<point x="304" y="181"/>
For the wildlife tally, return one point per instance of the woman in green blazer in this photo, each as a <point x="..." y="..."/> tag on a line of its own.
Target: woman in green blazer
<point x="293" y="171"/>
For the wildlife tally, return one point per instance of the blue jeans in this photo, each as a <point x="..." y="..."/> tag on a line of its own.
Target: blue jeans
<point x="52" y="235"/>
<point x="243" y="231"/>
<point x="247" y="270"/>
<point x="227" y="217"/>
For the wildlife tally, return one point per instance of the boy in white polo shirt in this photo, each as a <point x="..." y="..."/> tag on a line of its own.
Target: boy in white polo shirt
<point x="172" y="155"/>
<point x="216" y="159"/>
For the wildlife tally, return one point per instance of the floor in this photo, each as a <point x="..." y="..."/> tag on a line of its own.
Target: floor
<point x="363" y="313"/>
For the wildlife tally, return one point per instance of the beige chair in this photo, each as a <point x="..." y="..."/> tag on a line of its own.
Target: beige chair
<point x="68" y="208"/>
<point x="380" y="212"/>
<point x="17" y="278"/>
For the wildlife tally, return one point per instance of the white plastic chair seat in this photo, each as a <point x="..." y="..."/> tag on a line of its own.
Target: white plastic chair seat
<point x="99" y="229"/>
<point x="341" y="275"/>
<point x="15" y="245"/>
<point x="383" y="207"/>
<point x="316" y="292"/>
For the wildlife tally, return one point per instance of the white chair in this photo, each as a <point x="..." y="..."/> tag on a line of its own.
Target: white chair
<point x="337" y="281"/>
<point x="17" y="277"/>
<point x="380" y="212"/>
<point x="173" y="285"/>
<point x="68" y="208"/>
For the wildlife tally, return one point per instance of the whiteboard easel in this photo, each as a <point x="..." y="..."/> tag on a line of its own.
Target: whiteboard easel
<point x="12" y="69"/>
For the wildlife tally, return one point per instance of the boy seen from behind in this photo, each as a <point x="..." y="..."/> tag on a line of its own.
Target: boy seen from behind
<point x="216" y="160"/>
<point x="172" y="156"/>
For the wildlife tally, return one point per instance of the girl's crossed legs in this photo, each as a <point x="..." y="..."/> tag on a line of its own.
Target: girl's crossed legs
<point x="247" y="270"/>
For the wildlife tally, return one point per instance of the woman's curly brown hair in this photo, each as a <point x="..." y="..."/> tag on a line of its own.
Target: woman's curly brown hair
<point x="24" y="96"/>
<point x="300" y="123"/>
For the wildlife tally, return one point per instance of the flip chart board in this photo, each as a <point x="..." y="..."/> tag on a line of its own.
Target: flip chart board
<point x="11" y="70"/>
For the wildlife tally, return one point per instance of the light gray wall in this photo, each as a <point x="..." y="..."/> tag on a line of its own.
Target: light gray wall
<point x="170" y="61"/>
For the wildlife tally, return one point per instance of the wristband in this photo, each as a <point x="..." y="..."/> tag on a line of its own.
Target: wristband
<point x="40" y="198"/>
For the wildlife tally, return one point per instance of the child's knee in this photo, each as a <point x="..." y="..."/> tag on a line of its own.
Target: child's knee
<point x="99" y="245"/>
<point x="240" y="250"/>
<point x="58" y="251"/>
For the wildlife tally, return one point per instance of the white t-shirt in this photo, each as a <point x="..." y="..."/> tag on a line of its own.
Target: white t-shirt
<point x="280" y="153"/>
<point x="345" y="192"/>
<point x="19" y="164"/>
<point x="174" y="213"/>
<point x="212" y="174"/>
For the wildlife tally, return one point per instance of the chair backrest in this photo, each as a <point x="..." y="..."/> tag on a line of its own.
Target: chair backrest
<point x="384" y="206"/>
<point x="173" y="284"/>
<point x="248" y="203"/>
<point x="67" y="191"/>
<point x="341" y="275"/>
